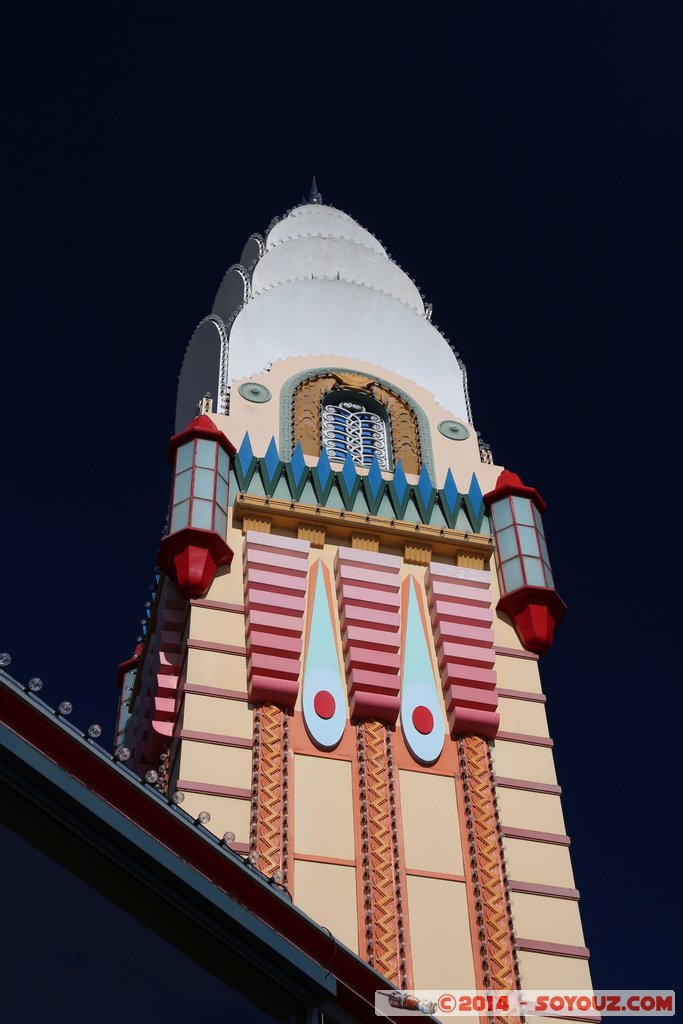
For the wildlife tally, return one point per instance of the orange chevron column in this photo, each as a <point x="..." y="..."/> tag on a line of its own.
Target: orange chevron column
<point x="383" y="897"/>
<point x="495" y="932"/>
<point x="269" y="801"/>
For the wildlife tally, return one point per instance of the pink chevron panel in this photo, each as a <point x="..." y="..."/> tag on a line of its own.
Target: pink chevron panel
<point x="369" y="604"/>
<point x="271" y="622"/>
<point x="361" y="616"/>
<point x="266" y="599"/>
<point x="462" y="617"/>
<point x="275" y="578"/>
<point x="360" y="597"/>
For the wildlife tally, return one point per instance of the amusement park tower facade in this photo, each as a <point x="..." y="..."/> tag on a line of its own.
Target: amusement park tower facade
<point x="341" y="658"/>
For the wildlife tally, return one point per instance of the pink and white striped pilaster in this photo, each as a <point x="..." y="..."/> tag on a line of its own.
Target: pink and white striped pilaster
<point x="368" y="588"/>
<point x="167" y="661"/>
<point x="462" y="617"/>
<point x="275" y="576"/>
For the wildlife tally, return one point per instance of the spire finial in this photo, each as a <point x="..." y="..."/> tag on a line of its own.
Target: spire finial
<point x="314" y="195"/>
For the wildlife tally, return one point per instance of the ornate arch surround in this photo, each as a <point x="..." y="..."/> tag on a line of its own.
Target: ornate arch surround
<point x="300" y="398"/>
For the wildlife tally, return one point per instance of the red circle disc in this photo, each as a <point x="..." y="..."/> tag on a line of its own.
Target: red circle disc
<point x="324" y="704"/>
<point x="423" y="720"/>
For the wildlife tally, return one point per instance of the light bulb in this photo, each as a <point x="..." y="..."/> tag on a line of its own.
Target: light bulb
<point x="5" y="659"/>
<point x="228" y="837"/>
<point x="122" y="754"/>
<point x="178" y="797"/>
<point x="35" y="685"/>
<point x="151" y="777"/>
<point x="65" y="708"/>
<point x="203" y="817"/>
<point x="94" y="731"/>
<point x="277" y="877"/>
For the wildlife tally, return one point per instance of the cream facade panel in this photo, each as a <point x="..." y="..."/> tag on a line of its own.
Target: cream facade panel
<point x="327" y="893"/>
<point x="440" y="934"/>
<point x="431" y="833"/>
<point x="524" y="716"/>
<point x="523" y="761"/>
<point x="538" y="812"/>
<point x="227" y="585"/>
<point x="217" y="715"/>
<point x="540" y="863"/>
<point x="215" y="765"/>
<point x="218" y="627"/>
<point x="323" y="808"/>
<point x="547" y="918"/>
<point x="543" y="970"/>
<point x="212" y="668"/>
<point x="517" y="673"/>
<point x="227" y="814"/>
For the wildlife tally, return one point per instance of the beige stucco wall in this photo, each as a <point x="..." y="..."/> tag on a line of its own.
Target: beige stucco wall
<point x="541" y="863"/>
<point x="523" y="716"/>
<point x="218" y="715"/>
<point x="227" y="585"/>
<point x="440" y="934"/>
<point x="523" y="761"/>
<point x="546" y="918"/>
<point x="540" y="812"/>
<point x="327" y="893"/>
<point x="213" y="668"/>
<point x="227" y="814"/>
<point x="431" y="833"/>
<point x="543" y="970"/>
<point x="323" y="807"/>
<point x="215" y="765"/>
<point x="517" y="673"/>
<point x="219" y="627"/>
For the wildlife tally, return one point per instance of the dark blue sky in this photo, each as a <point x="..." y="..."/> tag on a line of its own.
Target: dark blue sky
<point x="523" y="163"/>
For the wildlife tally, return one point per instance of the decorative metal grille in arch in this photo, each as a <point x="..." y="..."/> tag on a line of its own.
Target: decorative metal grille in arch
<point x="348" y="427"/>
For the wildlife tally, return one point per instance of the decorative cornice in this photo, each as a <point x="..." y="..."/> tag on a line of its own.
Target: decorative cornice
<point x="341" y="524"/>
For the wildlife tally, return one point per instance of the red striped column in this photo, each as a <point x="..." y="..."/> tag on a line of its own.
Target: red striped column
<point x="172" y="616"/>
<point x="369" y="603"/>
<point x="462" y="617"/>
<point x="368" y="588"/>
<point x="275" y="578"/>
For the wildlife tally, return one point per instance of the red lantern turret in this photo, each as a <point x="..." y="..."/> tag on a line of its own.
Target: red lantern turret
<point x="195" y="545"/>
<point x="527" y="587"/>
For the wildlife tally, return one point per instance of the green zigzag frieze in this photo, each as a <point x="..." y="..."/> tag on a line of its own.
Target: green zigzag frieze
<point x="270" y="477"/>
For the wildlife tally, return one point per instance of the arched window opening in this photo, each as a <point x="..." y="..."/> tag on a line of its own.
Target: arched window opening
<point x="404" y="438"/>
<point x="355" y="424"/>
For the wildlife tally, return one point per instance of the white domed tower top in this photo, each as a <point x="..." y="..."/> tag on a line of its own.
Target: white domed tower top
<point x="318" y="285"/>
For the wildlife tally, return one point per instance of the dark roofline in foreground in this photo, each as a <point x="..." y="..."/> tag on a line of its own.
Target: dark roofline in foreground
<point x="50" y="761"/>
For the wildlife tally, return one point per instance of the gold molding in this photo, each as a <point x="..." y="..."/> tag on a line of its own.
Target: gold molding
<point x="365" y="541"/>
<point x="314" y="534"/>
<point x="339" y="526"/>
<point x="256" y="523"/>
<point x="470" y="560"/>
<point x="417" y="554"/>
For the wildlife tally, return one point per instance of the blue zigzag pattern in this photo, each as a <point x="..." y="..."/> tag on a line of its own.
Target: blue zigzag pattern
<point x="370" y="493"/>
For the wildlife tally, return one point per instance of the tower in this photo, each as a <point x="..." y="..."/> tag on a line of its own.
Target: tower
<point x="340" y="663"/>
